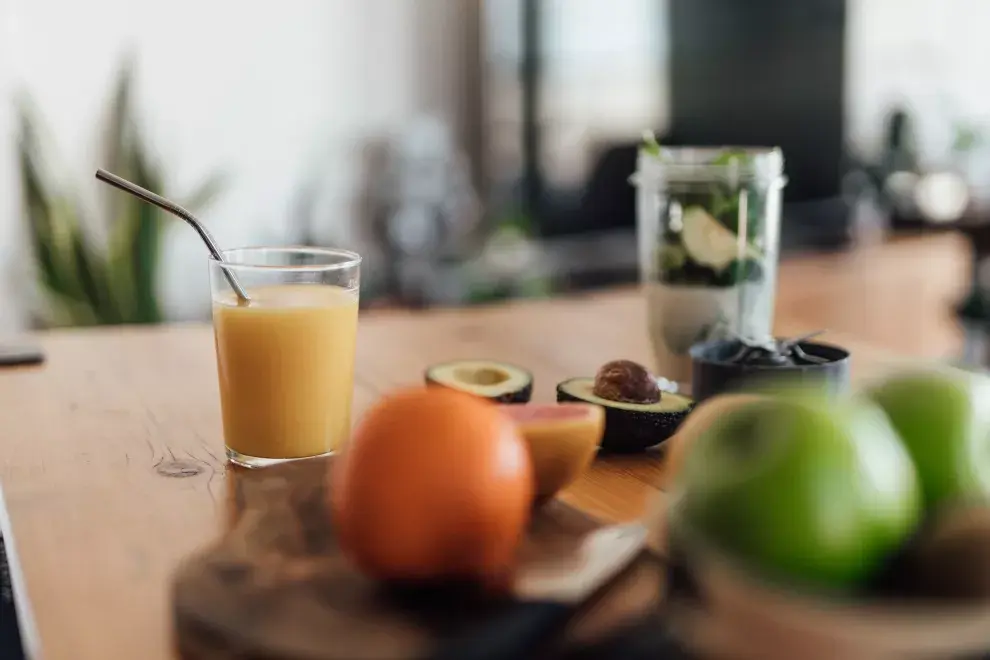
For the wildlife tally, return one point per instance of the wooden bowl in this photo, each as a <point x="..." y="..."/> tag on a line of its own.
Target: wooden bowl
<point x="719" y="609"/>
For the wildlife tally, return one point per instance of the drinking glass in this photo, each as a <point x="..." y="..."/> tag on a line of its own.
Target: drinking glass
<point x="708" y="229"/>
<point x="285" y="358"/>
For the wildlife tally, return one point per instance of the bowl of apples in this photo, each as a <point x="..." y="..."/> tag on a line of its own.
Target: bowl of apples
<point x="802" y="525"/>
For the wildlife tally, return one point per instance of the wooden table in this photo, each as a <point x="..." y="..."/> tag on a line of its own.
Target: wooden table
<point x="111" y="459"/>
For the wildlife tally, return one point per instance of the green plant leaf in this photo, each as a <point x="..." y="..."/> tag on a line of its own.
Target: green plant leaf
<point x="66" y="232"/>
<point x="63" y="311"/>
<point x="132" y="258"/>
<point x="83" y="283"/>
<point x="147" y="240"/>
<point x="92" y="280"/>
<point x="117" y="133"/>
<point x="118" y="259"/>
<point x="49" y="223"/>
<point x="536" y="287"/>
<point x="36" y="208"/>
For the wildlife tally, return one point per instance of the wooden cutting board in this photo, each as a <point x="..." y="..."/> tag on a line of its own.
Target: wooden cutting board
<point x="275" y="585"/>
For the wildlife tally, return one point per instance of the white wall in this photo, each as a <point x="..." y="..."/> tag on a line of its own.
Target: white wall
<point x="9" y="239"/>
<point x="929" y="54"/>
<point x="272" y="93"/>
<point x="604" y="79"/>
<point x="605" y="65"/>
<point x="264" y="91"/>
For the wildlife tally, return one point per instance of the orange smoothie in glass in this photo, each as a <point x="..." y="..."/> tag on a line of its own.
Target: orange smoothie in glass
<point x="286" y="366"/>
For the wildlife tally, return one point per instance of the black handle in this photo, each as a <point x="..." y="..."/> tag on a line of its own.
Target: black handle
<point x="513" y="634"/>
<point x="15" y="355"/>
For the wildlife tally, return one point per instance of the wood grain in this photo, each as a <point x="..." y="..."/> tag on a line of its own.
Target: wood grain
<point x="111" y="458"/>
<point x="276" y="584"/>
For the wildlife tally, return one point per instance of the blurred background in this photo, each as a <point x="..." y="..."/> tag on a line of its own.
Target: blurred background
<point x="472" y="151"/>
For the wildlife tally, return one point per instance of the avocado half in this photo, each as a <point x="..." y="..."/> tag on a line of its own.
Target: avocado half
<point x="497" y="381"/>
<point x="630" y="427"/>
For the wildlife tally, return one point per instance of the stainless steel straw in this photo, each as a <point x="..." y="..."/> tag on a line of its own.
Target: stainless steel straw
<point x="175" y="209"/>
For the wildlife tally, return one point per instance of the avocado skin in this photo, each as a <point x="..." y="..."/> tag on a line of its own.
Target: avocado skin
<point x="522" y="395"/>
<point x="632" y="431"/>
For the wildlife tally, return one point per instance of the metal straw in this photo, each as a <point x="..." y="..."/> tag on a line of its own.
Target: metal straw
<point x="175" y="209"/>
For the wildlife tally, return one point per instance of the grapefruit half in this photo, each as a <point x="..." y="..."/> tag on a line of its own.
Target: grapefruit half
<point x="563" y="439"/>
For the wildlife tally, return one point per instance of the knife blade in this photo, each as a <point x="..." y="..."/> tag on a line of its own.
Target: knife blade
<point x="549" y="591"/>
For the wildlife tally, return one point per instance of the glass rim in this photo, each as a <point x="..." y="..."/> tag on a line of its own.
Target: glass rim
<point x="348" y="259"/>
<point x="693" y="164"/>
<point x="700" y="158"/>
<point x="746" y="149"/>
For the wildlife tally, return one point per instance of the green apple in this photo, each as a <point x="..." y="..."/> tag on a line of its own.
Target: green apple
<point x="806" y="489"/>
<point x="943" y="418"/>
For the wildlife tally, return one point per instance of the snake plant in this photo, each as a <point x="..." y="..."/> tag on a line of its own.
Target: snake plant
<point x="83" y="280"/>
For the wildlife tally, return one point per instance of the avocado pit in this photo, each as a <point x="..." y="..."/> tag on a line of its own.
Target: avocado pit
<point x="637" y="414"/>
<point x="626" y="381"/>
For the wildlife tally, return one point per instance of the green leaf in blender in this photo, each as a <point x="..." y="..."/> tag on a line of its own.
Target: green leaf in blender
<point x="672" y="257"/>
<point x="650" y="144"/>
<point x="725" y="206"/>
<point x="740" y="271"/>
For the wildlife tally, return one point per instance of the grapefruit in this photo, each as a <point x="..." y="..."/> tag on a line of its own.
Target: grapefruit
<point x="562" y="439"/>
<point x="435" y="485"/>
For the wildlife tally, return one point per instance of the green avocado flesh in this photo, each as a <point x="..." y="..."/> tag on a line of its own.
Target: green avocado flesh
<point x="583" y="388"/>
<point x="630" y="427"/>
<point x="497" y="381"/>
